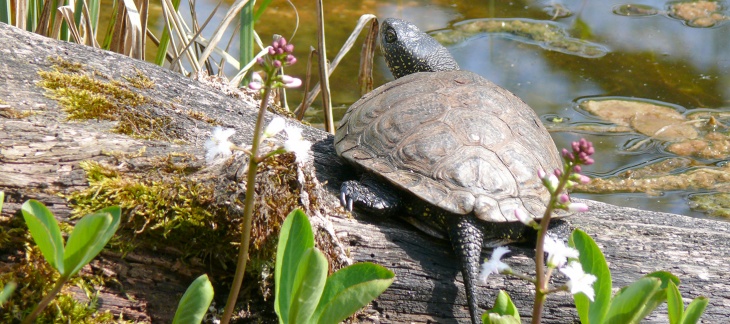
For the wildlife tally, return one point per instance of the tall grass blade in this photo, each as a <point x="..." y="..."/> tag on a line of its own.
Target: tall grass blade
<point x="134" y="40"/>
<point x="165" y="38"/>
<point x="44" y="21"/>
<point x="144" y="6"/>
<point x="307" y="80"/>
<point x="218" y="33"/>
<point x="361" y="23"/>
<point x="5" y="13"/>
<point x="67" y="12"/>
<point x="246" y="39"/>
<point x="324" y="76"/>
<point x="365" y="76"/>
<point x="34" y="9"/>
<point x="89" y="33"/>
<point x="21" y="11"/>
<point x="180" y="30"/>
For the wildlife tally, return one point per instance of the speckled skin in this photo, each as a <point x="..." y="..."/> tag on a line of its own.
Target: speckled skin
<point x="451" y="152"/>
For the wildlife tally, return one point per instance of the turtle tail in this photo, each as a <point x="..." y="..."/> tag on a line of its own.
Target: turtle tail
<point x="466" y="238"/>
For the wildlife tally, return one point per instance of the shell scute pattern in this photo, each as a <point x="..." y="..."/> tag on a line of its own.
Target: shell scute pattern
<point x="453" y="139"/>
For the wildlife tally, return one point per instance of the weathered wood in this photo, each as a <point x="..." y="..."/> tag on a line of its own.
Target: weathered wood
<point x="40" y="155"/>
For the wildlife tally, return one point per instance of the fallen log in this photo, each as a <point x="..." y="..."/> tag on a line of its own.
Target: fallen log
<point x="42" y="153"/>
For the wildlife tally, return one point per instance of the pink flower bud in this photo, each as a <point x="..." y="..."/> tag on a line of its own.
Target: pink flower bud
<point x="289" y="48"/>
<point x="563" y="198"/>
<point x="577" y="207"/>
<point x="276" y="64"/>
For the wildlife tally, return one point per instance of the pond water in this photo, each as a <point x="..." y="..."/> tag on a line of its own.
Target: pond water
<point x="563" y="54"/>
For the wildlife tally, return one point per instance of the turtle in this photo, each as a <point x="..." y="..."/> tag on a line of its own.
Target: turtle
<point x="450" y="152"/>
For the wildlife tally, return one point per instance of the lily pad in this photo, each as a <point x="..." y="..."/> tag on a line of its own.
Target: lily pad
<point x="656" y="121"/>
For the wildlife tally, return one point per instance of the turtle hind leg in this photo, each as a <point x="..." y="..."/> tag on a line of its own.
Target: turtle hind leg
<point x="466" y="239"/>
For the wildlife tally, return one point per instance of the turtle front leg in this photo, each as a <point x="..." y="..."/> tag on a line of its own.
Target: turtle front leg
<point x="466" y="239"/>
<point x="369" y="194"/>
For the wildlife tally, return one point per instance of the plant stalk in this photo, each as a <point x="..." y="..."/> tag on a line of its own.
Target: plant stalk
<point x="247" y="208"/>
<point x="541" y="285"/>
<point x="46" y="300"/>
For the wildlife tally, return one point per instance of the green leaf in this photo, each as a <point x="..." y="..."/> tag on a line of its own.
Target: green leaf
<point x="660" y="296"/>
<point x="2" y="199"/>
<point x="628" y="304"/>
<point x="593" y="262"/>
<point x="503" y="305"/>
<point x="494" y="318"/>
<point x="350" y="289"/>
<point x="7" y="291"/>
<point x="195" y="302"/>
<point x="45" y="232"/>
<point x="309" y="283"/>
<point x="675" y="305"/>
<point x="295" y="238"/>
<point x="694" y="310"/>
<point x="89" y="237"/>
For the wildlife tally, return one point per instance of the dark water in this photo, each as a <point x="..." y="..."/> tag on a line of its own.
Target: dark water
<point x="654" y="57"/>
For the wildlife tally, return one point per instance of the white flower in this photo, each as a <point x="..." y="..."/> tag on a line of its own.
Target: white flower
<point x="295" y="143"/>
<point x="274" y="127"/>
<point x="577" y="207"/>
<point x="494" y="265"/>
<point x="579" y="281"/>
<point x="218" y="144"/>
<point x="291" y="82"/>
<point x="525" y="219"/>
<point x="558" y="252"/>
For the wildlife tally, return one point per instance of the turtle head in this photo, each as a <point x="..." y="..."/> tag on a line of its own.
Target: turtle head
<point x="409" y="50"/>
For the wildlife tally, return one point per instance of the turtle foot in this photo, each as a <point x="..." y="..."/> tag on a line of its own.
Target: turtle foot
<point x="369" y="195"/>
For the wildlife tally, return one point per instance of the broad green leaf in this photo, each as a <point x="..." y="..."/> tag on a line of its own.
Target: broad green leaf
<point x="350" y="289"/>
<point x="593" y="262"/>
<point x="195" y="302"/>
<point x="309" y="283"/>
<point x="503" y="305"/>
<point x="694" y="310"/>
<point x="675" y="305"/>
<point x="494" y="318"/>
<point x="45" y="232"/>
<point x="628" y="304"/>
<point x="296" y="237"/>
<point x="7" y="291"/>
<point x="660" y="296"/>
<point x="89" y="237"/>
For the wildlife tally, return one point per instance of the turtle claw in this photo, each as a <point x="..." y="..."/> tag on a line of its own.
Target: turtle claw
<point x="369" y="196"/>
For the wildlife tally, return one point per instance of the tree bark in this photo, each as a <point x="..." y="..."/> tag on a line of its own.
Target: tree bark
<point x="40" y="152"/>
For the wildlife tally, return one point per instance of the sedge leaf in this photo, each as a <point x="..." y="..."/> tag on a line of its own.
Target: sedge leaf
<point x="89" y="237"/>
<point x="44" y="229"/>
<point x="350" y="289"/>
<point x="295" y="238"/>
<point x="593" y="262"/>
<point x="195" y="302"/>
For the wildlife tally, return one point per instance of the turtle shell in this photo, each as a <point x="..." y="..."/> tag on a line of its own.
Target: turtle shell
<point x="455" y="140"/>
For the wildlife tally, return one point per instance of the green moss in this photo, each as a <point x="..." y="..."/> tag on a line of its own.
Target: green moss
<point x="88" y="95"/>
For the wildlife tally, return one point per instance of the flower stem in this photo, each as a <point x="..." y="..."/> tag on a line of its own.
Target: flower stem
<point x="248" y="205"/>
<point x="46" y="300"/>
<point x="541" y="284"/>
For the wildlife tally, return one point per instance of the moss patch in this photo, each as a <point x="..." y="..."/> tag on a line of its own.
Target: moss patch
<point x="88" y="95"/>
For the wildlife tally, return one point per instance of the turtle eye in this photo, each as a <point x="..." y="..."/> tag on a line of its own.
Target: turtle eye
<point x="390" y="36"/>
